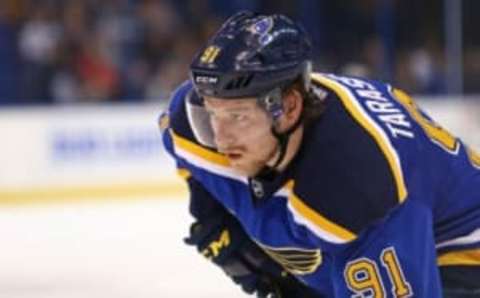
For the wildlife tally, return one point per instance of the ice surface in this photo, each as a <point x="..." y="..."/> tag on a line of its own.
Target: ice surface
<point x="109" y="249"/>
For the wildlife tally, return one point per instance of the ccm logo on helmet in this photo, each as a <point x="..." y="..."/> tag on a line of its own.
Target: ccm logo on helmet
<point x="206" y="79"/>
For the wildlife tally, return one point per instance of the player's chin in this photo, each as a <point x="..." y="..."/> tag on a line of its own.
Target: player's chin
<point x="245" y="168"/>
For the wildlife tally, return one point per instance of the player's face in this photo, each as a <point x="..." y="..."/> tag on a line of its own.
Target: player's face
<point x="242" y="133"/>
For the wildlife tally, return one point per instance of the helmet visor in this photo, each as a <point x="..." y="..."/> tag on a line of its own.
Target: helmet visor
<point x="199" y="120"/>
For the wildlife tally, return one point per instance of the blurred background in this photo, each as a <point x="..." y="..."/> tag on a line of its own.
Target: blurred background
<point x="71" y="51"/>
<point x="90" y="205"/>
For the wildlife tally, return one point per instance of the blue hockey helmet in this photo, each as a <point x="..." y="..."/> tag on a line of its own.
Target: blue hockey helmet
<point x="250" y="55"/>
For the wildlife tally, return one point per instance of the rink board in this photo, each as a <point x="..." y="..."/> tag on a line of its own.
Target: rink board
<point x="103" y="151"/>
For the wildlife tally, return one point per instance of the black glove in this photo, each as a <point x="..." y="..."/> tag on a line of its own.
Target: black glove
<point x="222" y="240"/>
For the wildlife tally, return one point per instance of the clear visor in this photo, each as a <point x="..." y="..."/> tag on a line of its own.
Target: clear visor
<point x="199" y="120"/>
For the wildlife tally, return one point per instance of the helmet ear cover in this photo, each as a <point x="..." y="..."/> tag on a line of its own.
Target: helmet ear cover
<point x="272" y="103"/>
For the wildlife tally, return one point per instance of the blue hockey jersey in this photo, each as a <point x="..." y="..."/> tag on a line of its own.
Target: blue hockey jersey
<point x="376" y="200"/>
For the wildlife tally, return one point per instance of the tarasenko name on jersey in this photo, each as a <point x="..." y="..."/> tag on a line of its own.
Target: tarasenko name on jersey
<point x="374" y="99"/>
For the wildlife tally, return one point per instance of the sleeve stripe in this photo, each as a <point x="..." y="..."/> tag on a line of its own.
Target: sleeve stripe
<point x="474" y="157"/>
<point x="184" y="173"/>
<point x="320" y="225"/>
<point x="198" y="150"/>
<point x="204" y="158"/>
<point x="465" y="257"/>
<point x="359" y="114"/>
<point x="471" y="238"/>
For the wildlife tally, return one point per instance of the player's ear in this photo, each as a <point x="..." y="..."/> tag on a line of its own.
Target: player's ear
<point x="292" y="105"/>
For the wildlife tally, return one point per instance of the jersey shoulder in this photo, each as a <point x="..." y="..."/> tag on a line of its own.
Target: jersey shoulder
<point x="347" y="177"/>
<point x="376" y="116"/>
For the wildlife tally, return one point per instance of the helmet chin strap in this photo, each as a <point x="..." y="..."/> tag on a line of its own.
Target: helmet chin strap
<point x="282" y="138"/>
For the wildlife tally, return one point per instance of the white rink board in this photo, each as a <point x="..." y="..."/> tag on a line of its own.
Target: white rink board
<point x="131" y="249"/>
<point x="51" y="148"/>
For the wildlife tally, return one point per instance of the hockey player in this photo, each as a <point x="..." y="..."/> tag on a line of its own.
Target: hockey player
<point x="317" y="185"/>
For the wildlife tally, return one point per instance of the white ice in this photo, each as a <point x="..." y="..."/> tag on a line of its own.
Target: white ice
<point x="112" y="249"/>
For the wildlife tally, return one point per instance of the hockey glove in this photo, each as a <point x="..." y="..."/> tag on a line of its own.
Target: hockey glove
<point x="225" y="243"/>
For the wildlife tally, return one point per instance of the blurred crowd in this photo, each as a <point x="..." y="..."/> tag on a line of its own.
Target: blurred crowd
<point x="74" y="51"/>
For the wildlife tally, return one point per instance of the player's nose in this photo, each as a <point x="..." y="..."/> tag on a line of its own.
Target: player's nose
<point x="224" y="138"/>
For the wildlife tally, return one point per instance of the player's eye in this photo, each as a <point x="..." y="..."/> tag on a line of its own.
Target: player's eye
<point x="239" y="117"/>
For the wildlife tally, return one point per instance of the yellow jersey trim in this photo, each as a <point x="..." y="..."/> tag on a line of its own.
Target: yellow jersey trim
<point x="184" y="173"/>
<point x="316" y="218"/>
<point x="464" y="257"/>
<point x="364" y="122"/>
<point x="474" y="157"/>
<point x="198" y="150"/>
